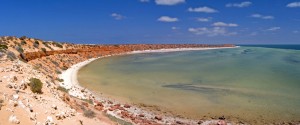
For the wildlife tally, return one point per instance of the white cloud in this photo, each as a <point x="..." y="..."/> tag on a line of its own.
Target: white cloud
<point x="203" y="10"/>
<point x="273" y="29"/>
<point x="222" y="24"/>
<point x="167" y="19"/>
<point x="293" y="5"/>
<point x="117" y="16"/>
<point x="144" y="1"/>
<point x="200" y="19"/>
<point x="296" y="31"/>
<point x="239" y="5"/>
<point x="262" y="16"/>
<point x="169" y="2"/>
<point x="174" y="28"/>
<point x="215" y="31"/>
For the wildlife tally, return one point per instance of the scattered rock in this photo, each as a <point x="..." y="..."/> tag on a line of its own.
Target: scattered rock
<point x="54" y="107"/>
<point x="222" y="118"/>
<point x="9" y="86"/>
<point x="60" y="116"/>
<point x="15" y="103"/>
<point x="15" y="97"/>
<point x="158" y="118"/>
<point x="81" y="122"/>
<point x="200" y="122"/>
<point x="30" y="109"/>
<point x="23" y="86"/>
<point x="141" y="115"/>
<point x="33" y="116"/>
<point x="126" y="106"/>
<point x="179" y="122"/>
<point x="13" y="119"/>
<point x="221" y="122"/>
<point x="49" y="121"/>
<point x="99" y="108"/>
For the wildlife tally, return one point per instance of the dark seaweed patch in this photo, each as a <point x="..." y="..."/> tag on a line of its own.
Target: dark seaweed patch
<point x="292" y="59"/>
<point x="191" y="87"/>
<point x="247" y="51"/>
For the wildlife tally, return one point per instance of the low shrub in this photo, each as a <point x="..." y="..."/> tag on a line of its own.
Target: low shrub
<point x="60" y="80"/>
<point x="36" y="85"/>
<point x="23" y="42"/>
<point x="46" y="44"/>
<point x="88" y="101"/>
<point x="64" y="68"/>
<point x="44" y="50"/>
<point x="58" y="72"/>
<point x="89" y="113"/>
<point x="3" y="47"/>
<point x="36" y="45"/>
<point x="23" y="37"/>
<point x="60" y="88"/>
<point x="19" y="49"/>
<point x="58" y="44"/>
<point x="55" y="63"/>
<point x="11" y="55"/>
<point x="117" y="120"/>
<point x="37" y="42"/>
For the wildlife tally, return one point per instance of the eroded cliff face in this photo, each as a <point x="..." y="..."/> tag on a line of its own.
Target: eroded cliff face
<point x="102" y="50"/>
<point x="52" y="63"/>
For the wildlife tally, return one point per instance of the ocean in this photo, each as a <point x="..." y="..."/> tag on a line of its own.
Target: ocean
<point x="253" y="83"/>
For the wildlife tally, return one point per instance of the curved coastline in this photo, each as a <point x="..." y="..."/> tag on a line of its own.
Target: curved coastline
<point x="70" y="75"/>
<point x="71" y="83"/>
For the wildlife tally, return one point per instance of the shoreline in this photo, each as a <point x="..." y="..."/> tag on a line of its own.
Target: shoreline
<point x="70" y="82"/>
<point x="69" y="76"/>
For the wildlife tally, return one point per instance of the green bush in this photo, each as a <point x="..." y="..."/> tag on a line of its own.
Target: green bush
<point x="58" y="72"/>
<point x="36" y="45"/>
<point x="44" y="50"/>
<point x="23" y="37"/>
<point x="89" y="113"/>
<point x="47" y="45"/>
<point x="60" y="88"/>
<point x="11" y="55"/>
<point x="19" y="49"/>
<point x="55" y="63"/>
<point x="37" y="42"/>
<point x="3" y="47"/>
<point x="60" y="80"/>
<point x="36" y="85"/>
<point x="23" y="42"/>
<point x="58" y="44"/>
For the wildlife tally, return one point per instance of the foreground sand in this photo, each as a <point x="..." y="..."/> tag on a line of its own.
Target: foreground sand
<point x="29" y="108"/>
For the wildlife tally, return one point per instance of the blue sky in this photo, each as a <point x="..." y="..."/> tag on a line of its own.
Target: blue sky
<point x="153" y="21"/>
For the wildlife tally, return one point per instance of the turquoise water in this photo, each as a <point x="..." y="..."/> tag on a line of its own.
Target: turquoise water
<point x="251" y="84"/>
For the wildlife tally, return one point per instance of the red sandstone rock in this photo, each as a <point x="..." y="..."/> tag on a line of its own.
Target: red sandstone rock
<point x="221" y="122"/>
<point x="85" y="104"/>
<point x="158" y="118"/>
<point x="99" y="108"/>
<point x="126" y="106"/>
<point x="98" y="104"/>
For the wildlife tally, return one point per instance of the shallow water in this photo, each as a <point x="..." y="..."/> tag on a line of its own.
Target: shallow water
<point x="253" y="84"/>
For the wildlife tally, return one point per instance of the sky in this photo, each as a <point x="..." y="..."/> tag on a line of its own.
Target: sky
<point x="153" y="21"/>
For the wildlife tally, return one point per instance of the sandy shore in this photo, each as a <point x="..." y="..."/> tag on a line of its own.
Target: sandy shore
<point x="71" y="83"/>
